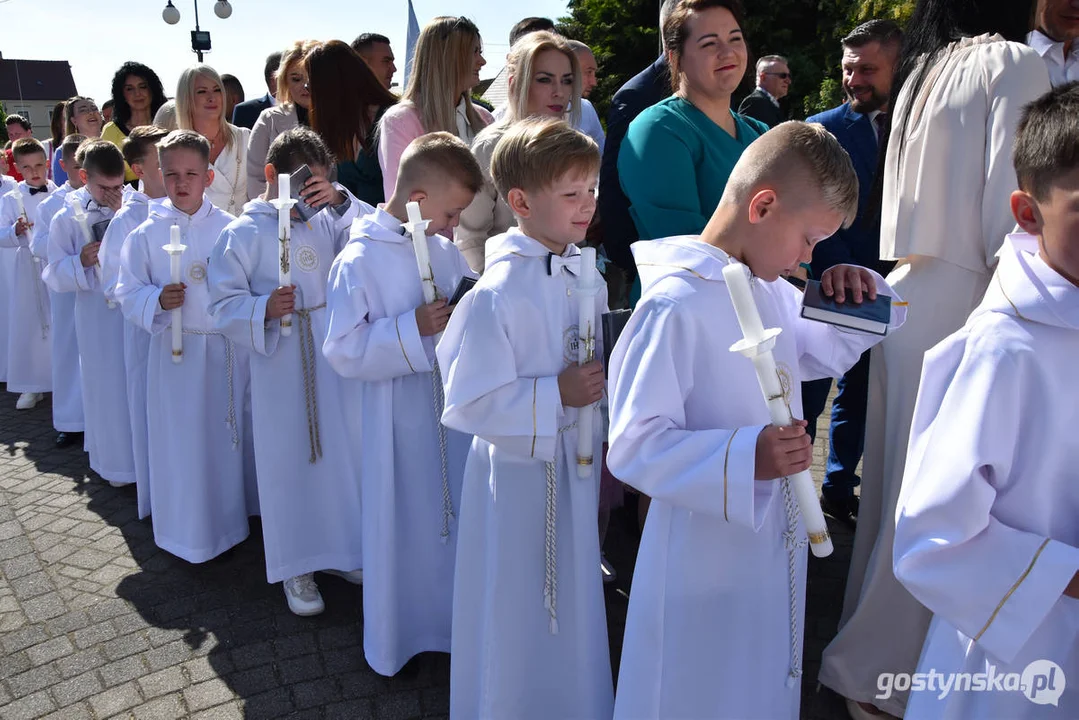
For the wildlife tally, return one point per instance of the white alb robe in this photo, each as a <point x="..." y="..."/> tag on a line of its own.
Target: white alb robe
<point x="715" y="617"/>
<point x="506" y="344"/>
<point x="310" y="510"/>
<point x="987" y="531"/>
<point x="100" y="331"/>
<point x="28" y="344"/>
<point x="410" y="535"/>
<point x="7" y="276"/>
<point x="194" y="408"/>
<point x="134" y="211"/>
<point x="67" y="415"/>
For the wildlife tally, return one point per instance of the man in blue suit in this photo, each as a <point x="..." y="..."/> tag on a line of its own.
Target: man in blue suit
<point x="246" y="113"/>
<point x="870" y="53"/>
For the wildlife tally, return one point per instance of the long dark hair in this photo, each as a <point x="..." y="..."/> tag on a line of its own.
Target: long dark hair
<point x="121" y="111"/>
<point x="343" y="89"/>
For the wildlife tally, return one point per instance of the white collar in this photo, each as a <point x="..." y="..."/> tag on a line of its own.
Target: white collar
<point x="1049" y="48"/>
<point x="769" y="95"/>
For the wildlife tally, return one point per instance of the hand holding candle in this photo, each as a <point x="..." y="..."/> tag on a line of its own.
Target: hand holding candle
<point x="587" y="289"/>
<point x="176" y="251"/>
<point x="284" y="204"/>
<point x="757" y="346"/>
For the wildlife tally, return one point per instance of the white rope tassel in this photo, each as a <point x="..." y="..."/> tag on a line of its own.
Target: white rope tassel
<point x="439" y="400"/>
<point x="550" y="548"/>
<point x="42" y="299"/>
<point x="794" y="541"/>
<point x="230" y="418"/>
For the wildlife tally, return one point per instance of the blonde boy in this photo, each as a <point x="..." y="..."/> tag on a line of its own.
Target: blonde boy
<point x="527" y="549"/>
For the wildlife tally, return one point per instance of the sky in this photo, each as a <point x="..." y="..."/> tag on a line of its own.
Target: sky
<point x="101" y="35"/>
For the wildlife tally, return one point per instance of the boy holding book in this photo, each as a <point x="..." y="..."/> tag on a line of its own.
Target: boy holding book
<point x="529" y="624"/>
<point x="715" y="621"/>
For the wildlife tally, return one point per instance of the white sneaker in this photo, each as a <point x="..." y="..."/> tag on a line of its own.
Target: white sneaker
<point x="303" y="596"/>
<point x="353" y="576"/>
<point x="113" y="483"/>
<point x="28" y="401"/>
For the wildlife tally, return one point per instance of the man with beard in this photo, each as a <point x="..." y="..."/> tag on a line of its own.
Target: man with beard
<point x="870" y="52"/>
<point x="1055" y="31"/>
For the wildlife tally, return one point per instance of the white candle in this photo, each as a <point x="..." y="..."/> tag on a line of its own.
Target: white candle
<point x="417" y="227"/>
<point x="757" y="346"/>
<point x="284" y="204"/>
<point x="175" y="251"/>
<point x="587" y="288"/>
<point x="26" y="218"/>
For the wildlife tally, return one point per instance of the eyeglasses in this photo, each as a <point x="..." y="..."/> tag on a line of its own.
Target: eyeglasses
<point x="781" y="76"/>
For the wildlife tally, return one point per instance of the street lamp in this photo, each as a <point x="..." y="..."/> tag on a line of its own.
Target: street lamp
<point x="200" y="39"/>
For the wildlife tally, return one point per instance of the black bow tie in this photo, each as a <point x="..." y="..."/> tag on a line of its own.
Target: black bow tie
<point x="35" y="191"/>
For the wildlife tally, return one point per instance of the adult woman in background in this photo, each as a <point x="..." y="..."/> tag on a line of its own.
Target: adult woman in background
<point x="346" y="101"/>
<point x="200" y="106"/>
<point x="291" y="110"/>
<point x="56" y="137"/>
<point x="964" y="77"/>
<point x="544" y="80"/>
<point x="445" y="68"/>
<point x="137" y="95"/>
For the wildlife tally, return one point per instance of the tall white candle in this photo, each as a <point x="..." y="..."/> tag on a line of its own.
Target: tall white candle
<point x="175" y="251"/>
<point x="587" y="288"/>
<point x="284" y="204"/>
<point x="757" y="346"/>
<point x="417" y="227"/>
<point x="26" y="218"/>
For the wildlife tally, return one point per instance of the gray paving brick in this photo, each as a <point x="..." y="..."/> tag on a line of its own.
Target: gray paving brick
<point x="68" y="622"/>
<point x="228" y="711"/>
<point x="123" y="671"/>
<point x="272" y="704"/>
<point x="173" y="653"/>
<point x="77" y="688"/>
<point x="81" y="711"/>
<point x="166" y="708"/>
<point x="398" y="706"/>
<point x="24" y="638"/>
<point x="207" y="694"/>
<point x="315" y="693"/>
<point x="253" y="681"/>
<point x="80" y="662"/>
<point x="13" y="663"/>
<point x="293" y="645"/>
<point x="361" y="684"/>
<point x="29" y="707"/>
<point x="33" y="680"/>
<point x="127" y="645"/>
<point x="31" y="585"/>
<point x="115" y="700"/>
<point x="44" y="607"/>
<point x="296" y="670"/>
<point x="162" y="682"/>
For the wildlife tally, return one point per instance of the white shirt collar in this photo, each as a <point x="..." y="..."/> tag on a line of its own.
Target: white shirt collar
<point x="769" y="95"/>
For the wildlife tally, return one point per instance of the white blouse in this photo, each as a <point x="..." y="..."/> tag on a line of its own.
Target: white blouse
<point x="229" y="188"/>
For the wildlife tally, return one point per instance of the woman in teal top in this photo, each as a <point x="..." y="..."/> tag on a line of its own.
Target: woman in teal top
<point x="678" y="154"/>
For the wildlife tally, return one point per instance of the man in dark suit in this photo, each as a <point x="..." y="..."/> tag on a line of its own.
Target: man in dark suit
<point x="246" y="113"/>
<point x="773" y="84"/>
<point x="870" y="52"/>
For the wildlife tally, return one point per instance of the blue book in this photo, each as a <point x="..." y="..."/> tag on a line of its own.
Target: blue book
<point x="871" y="316"/>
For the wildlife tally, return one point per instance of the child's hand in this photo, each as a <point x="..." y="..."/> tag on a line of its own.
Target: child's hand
<point x="432" y="319"/>
<point x="581" y="385"/>
<point x="282" y="302"/>
<point x="88" y="256"/>
<point x="783" y="451"/>
<point x="172" y="296"/>
<point x="319" y="191"/>
<point x="114" y="199"/>
<point x="837" y="281"/>
<point x="21" y="226"/>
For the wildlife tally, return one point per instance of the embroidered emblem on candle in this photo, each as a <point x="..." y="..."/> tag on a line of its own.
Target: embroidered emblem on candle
<point x="197" y="272"/>
<point x="306" y="258"/>
<point x="785" y="383"/>
<point x="569" y="345"/>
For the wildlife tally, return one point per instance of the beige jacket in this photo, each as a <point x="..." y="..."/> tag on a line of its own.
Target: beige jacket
<point x="488" y="215"/>
<point x="272" y="122"/>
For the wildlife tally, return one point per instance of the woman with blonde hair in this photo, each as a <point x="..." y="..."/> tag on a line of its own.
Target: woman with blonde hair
<point x="200" y="106"/>
<point x="292" y="109"/>
<point x="445" y="68"/>
<point x="544" y="81"/>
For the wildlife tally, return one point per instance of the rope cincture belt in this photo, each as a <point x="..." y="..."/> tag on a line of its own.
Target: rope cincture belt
<point x="310" y="390"/>
<point x="230" y="362"/>
<point x="439" y="401"/>
<point x="794" y="541"/>
<point x="550" y="540"/>
<point x="42" y="299"/>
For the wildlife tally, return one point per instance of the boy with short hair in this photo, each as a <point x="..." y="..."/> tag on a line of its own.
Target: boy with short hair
<point x="987" y="531"/>
<point x="308" y="481"/>
<point x="529" y="627"/>
<point x="67" y="413"/>
<point x="73" y="268"/>
<point x="715" y="621"/>
<point x="140" y="154"/>
<point x="194" y="406"/>
<point x="27" y="340"/>
<point x="382" y="333"/>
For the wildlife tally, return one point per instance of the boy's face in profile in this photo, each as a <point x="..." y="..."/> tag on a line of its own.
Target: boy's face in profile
<point x="1056" y="223"/>
<point x="786" y="232"/>
<point x="561" y="213"/>
<point x="103" y="188"/>
<point x="71" y="167"/>
<point x="33" y="168"/>
<point x="443" y="207"/>
<point x="187" y="175"/>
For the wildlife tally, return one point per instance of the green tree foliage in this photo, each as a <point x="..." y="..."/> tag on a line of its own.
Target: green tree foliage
<point x="624" y="36"/>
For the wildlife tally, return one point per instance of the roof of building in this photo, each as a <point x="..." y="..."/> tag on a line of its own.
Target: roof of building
<point x="498" y="92"/>
<point x="36" y="80"/>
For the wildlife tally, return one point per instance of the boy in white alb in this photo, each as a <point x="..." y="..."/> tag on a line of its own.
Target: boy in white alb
<point x="140" y="154"/>
<point x="73" y="267"/>
<point x="529" y="624"/>
<point x="383" y="334"/>
<point x="715" y="620"/>
<point x="194" y="407"/>
<point x="7" y="266"/>
<point x="27" y="343"/>
<point x="308" y="482"/>
<point x="987" y="531"/>
<point x="67" y="414"/>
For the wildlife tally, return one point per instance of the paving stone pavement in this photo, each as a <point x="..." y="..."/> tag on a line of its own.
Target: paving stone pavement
<point x="96" y="622"/>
